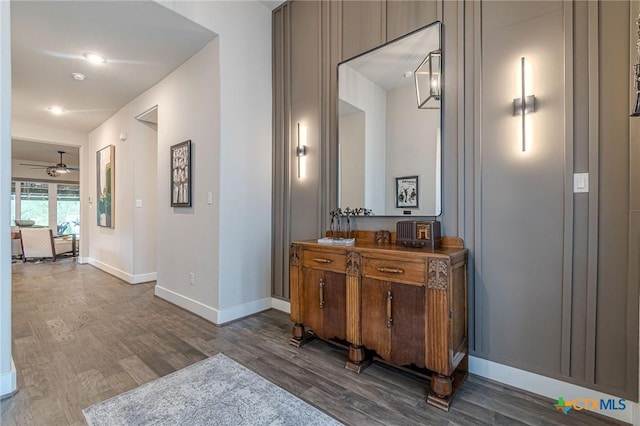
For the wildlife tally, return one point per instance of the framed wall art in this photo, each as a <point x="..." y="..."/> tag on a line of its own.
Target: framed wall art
<point x="181" y="174"/>
<point x="106" y="179"/>
<point x="407" y="192"/>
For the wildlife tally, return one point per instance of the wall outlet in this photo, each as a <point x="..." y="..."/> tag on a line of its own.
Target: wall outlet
<point x="139" y="203"/>
<point x="192" y="278"/>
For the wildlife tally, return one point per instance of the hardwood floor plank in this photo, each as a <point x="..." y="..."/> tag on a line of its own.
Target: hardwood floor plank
<point x="138" y="370"/>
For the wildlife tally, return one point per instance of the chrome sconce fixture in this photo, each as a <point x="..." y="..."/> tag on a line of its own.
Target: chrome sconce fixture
<point x="524" y="104"/>
<point x="636" y="73"/>
<point x="301" y="149"/>
<point x="428" y="77"/>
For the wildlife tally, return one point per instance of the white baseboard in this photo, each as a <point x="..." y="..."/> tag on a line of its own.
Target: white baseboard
<point x="124" y="276"/>
<point x="551" y="388"/>
<point x="200" y="309"/>
<point x="8" y="381"/>
<point x="83" y="260"/>
<point x="246" y="309"/>
<point x="281" y="305"/>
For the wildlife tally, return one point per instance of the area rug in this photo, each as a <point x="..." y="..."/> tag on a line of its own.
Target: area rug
<point x="215" y="391"/>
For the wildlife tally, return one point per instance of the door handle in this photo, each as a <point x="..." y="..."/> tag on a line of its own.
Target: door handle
<point x="391" y="270"/>
<point x="321" y="293"/>
<point x="389" y="318"/>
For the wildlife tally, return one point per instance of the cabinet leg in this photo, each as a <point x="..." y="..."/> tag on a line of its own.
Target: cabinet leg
<point x="299" y="336"/>
<point x="357" y="359"/>
<point x="440" y="392"/>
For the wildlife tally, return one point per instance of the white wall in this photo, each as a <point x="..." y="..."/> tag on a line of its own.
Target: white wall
<point x="360" y="92"/>
<point x="189" y="109"/>
<point x="144" y="137"/>
<point x="352" y="157"/>
<point x="7" y="370"/>
<point x="412" y="138"/>
<point x="243" y="246"/>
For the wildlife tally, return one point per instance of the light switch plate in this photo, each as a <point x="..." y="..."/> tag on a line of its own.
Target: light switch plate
<point x="580" y="182"/>
<point x="139" y="203"/>
<point x="209" y="198"/>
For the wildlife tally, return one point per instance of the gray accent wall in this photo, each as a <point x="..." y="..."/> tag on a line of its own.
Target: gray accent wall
<point x="554" y="276"/>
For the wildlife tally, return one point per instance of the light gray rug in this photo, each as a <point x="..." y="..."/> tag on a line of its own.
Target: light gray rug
<point x="215" y="391"/>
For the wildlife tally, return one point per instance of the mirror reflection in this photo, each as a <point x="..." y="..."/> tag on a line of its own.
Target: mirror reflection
<point x="389" y="148"/>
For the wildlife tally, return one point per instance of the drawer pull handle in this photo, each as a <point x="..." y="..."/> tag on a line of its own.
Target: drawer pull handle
<point x="391" y="270"/>
<point x="321" y="293"/>
<point x="389" y="318"/>
<point x="321" y="260"/>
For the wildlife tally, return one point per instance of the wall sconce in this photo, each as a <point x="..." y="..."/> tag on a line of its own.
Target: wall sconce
<point x="301" y="149"/>
<point x="428" y="81"/>
<point x="636" y="73"/>
<point x="524" y="104"/>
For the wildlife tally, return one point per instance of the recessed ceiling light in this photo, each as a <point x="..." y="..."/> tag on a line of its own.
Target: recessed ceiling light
<point x="78" y="76"/>
<point x="56" y="110"/>
<point x="407" y="74"/>
<point x="95" y="58"/>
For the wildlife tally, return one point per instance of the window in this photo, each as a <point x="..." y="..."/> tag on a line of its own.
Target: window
<point x="34" y="202"/>
<point x="13" y="203"/>
<point x="68" y="209"/>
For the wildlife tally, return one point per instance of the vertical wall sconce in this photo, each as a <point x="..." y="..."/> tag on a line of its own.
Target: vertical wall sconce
<point x="636" y="72"/>
<point x="301" y="149"/>
<point x="428" y="81"/>
<point x="524" y="104"/>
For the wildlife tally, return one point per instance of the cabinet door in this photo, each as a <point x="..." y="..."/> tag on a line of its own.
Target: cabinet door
<point x="408" y="327"/>
<point x="363" y="26"/>
<point x="376" y="332"/>
<point x="334" y="321"/>
<point x="324" y="303"/>
<point x="312" y="280"/>
<point x="406" y="16"/>
<point x="393" y="321"/>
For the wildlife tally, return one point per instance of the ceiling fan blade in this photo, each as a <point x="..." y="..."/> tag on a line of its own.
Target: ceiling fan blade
<point x="75" y="169"/>
<point x="34" y="165"/>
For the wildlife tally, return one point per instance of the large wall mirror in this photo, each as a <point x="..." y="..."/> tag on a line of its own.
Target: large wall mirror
<point x="389" y="127"/>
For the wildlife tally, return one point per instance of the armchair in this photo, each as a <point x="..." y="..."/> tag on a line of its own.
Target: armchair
<point x="40" y="243"/>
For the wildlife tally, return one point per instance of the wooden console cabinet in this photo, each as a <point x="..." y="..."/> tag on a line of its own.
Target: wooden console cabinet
<point x="403" y="306"/>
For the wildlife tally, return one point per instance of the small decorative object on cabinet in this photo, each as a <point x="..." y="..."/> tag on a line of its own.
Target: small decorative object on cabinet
<point x="402" y="306"/>
<point x="414" y="233"/>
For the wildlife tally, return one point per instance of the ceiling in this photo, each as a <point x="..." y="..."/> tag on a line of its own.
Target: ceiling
<point x="142" y="41"/>
<point x="387" y="65"/>
<point x="44" y="152"/>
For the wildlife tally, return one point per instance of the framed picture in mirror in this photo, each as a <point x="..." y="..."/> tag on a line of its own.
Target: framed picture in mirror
<point x="407" y="194"/>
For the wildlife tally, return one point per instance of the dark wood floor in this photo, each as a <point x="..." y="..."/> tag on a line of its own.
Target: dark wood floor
<point x="81" y="336"/>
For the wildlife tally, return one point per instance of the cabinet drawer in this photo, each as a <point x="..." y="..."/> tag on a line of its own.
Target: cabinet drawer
<point x="394" y="270"/>
<point x="324" y="260"/>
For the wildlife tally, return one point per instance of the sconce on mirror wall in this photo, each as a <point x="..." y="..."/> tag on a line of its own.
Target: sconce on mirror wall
<point x="636" y="72"/>
<point x="525" y="104"/>
<point x="301" y="149"/>
<point x="428" y="81"/>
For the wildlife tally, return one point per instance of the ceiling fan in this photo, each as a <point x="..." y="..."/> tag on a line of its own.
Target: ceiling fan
<point x="55" y="170"/>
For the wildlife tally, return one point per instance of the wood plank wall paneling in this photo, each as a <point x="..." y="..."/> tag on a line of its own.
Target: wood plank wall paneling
<point x="551" y="286"/>
<point x="363" y="26"/>
<point x="634" y="216"/>
<point x="581" y="201"/>
<point x="613" y="230"/>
